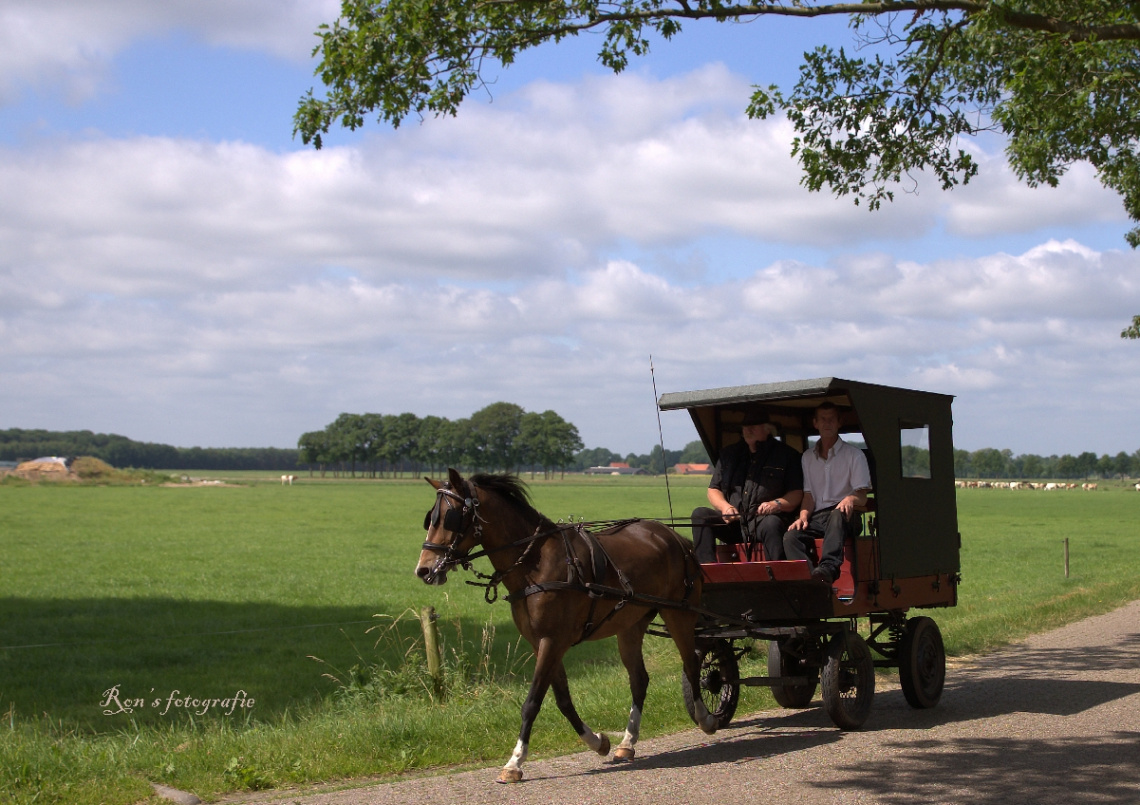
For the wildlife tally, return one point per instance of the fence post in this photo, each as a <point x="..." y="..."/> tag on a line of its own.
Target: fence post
<point x="431" y="645"/>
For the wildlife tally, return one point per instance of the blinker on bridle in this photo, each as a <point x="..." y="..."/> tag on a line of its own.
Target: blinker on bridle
<point x="453" y="518"/>
<point x="455" y="521"/>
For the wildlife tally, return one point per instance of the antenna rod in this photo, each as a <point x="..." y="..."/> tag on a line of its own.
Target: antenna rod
<point x="661" y="438"/>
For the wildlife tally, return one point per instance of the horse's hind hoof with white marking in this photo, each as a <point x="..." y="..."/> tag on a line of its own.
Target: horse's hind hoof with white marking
<point x="510" y="776"/>
<point x="603" y="748"/>
<point x="623" y="754"/>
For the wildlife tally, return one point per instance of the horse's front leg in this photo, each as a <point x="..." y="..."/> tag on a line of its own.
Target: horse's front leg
<point x="547" y="665"/>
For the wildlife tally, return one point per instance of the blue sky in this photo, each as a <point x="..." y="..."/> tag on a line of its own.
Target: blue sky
<point x="174" y="267"/>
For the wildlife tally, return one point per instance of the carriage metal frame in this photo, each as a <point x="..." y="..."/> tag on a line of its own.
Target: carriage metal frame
<point x="907" y="556"/>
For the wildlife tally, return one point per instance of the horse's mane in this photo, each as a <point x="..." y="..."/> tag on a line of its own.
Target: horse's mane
<point x="510" y="487"/>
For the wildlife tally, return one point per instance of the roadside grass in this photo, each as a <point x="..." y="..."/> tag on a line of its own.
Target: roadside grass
<point x="1013" y="544"/>
<point x="210" y="591"/>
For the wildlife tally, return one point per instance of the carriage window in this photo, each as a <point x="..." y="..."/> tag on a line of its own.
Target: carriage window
<point x="914" y="441"/>
<point x="854" y="439"/>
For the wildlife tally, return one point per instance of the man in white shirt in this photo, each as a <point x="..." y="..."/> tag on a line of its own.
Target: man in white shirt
<point x="836" y="482"/>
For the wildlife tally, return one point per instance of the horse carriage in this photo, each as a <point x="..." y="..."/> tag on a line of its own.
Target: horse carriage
<point x="905" y="556"/>
<point x="570" y="582"/>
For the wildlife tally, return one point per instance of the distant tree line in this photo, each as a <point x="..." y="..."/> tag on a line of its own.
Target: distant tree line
<point x="992" y="463"/>
<point x="119" y="451"/>
<point x="654" y="462"/>
<point x="501" y="436"/>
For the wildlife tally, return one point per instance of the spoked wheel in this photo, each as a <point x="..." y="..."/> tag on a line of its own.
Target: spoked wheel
<point x="720" y="680"/>
<point x="922" y="663"/>
<point x="848" y="680"/>
<point x="781" y="664"/>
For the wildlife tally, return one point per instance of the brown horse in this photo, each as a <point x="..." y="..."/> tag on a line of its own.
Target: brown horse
<point x="634" y="569"/>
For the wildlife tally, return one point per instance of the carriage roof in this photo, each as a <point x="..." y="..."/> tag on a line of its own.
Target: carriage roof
<point x="916" y="509"/>
<point x="795" y="392"/>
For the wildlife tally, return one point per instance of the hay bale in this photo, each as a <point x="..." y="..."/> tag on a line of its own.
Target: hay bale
<point x="44" y="466"/>
<point x="49" y="468"/>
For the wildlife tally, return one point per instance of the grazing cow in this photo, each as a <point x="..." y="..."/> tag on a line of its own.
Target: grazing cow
<point x="1049" y="487"/>
<point x="288" y="479"/>
<point x="1089" y="487"/>
<point x="1138" y="487"/>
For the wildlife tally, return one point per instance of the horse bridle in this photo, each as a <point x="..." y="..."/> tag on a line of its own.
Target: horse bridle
<point x="455" y="520"/>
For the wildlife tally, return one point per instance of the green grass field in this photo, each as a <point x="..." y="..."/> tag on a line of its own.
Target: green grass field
<point x="163" y="594"/>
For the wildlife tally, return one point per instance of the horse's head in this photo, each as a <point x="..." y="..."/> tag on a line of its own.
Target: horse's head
<point x="453" y="528"/>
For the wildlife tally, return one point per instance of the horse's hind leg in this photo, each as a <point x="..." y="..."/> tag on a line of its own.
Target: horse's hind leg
<point x="599" y="742"/>
<point x="682" y="625"/>
<point x="629" y="646"/>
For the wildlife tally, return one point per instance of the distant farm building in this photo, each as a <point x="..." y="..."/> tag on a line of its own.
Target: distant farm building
<point x="616" y="468"/>
<point x="692" y="469"/>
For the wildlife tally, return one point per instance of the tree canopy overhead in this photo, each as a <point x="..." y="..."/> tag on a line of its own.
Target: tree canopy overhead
<point x="1059" y="79"/>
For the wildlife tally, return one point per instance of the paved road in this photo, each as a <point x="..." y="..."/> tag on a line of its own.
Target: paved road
<point x="1055" y="719"/>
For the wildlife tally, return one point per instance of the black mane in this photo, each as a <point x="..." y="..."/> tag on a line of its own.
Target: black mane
<point x="507" y="486"/>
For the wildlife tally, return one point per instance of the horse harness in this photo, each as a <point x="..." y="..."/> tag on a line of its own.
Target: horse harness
<point x="580" y="576"/>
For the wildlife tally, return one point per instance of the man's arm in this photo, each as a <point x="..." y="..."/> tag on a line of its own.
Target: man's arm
<point x="785" y="503"/>
<point x="719" y="502"/>
<point x="860" y="482"/>
<point x="807" y="506"/>
<point x="856" y="500"/>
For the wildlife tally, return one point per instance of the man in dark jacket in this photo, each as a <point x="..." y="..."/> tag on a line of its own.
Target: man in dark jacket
<point x="755" y="490"/>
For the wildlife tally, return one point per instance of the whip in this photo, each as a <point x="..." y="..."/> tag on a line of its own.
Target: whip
<point x="661" y="438"/>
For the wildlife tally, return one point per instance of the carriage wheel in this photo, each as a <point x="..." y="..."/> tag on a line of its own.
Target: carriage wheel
<point x="848" y="680"/>
<point x="922" y="663"/>
<point x="719" y="682"/>
<point x="780" y="664"/>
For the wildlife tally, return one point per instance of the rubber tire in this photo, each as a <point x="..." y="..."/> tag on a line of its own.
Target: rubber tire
<point x="848" y="681"/>
<point x="795" y="697"/>
<point x="922" y="663"/>
<point x="719" y="681"/>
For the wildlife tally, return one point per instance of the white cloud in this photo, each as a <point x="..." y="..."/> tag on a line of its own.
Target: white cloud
<point x="996" y="203"/>
<point x="69" y="44"/>
<point x="539" y="183"/>
<point x="274" y="363"/>
<point x="499" y="193"/>
<point x="225" y="293"/>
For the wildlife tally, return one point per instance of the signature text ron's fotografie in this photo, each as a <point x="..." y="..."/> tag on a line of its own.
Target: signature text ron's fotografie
<point x="114" y="703"/>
